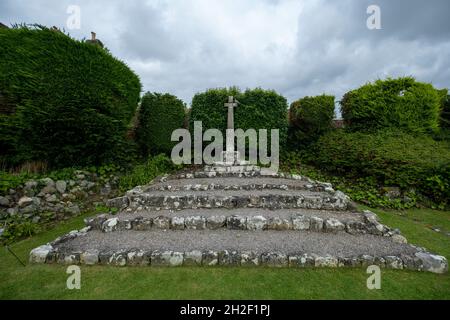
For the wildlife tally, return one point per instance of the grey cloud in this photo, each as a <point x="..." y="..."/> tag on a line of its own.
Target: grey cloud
<point x="295" y="47"/>
<point x="145" y="36"/>
<point x="416" y="19"/>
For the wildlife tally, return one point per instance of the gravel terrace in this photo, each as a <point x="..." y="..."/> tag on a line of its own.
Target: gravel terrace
<point x="288" y="242"/>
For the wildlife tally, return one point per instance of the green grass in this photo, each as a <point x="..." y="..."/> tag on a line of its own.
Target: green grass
<point x="416" y="225"/>
<point x="49" y="281"/>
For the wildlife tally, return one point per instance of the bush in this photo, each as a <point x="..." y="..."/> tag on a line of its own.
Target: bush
<point x="401" y="103"/>
<point x="142" y="174"/>
<point x="444" y="131"/>
<point x="360" y="189"/>
<point x="11" y="181"/>
<point x="16" y="228"/>
<point x="309" y="118"/>
<point x="258" y="109"/>
<point x="159" y="115"/>
<point x="63" y="101"/>
<point x="445" y="113"/>
<point x="390" y="158"/>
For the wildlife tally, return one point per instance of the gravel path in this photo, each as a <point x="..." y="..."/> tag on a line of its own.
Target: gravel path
<point x="248" y="212"/>
<point x="288" y="242"/>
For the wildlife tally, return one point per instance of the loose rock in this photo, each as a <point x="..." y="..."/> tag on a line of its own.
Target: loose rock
<point x="301" y="223"/>
<point x="433" y="263"/>
<point x="256" y="223"/>
<point x="195" y="222"/>
<point x="216" y="222"/>
<point x="333" y="225"/>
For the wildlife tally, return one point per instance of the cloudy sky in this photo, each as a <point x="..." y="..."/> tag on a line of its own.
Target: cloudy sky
<point x="297" y="47"/>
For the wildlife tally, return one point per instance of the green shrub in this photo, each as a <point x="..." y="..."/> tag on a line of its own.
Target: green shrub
<point x="12" y="181"/>
<point x="309" y="118"/>
<point x="144" y="173"/>
<point x="401" y="103"/>
<point x="63" y="101"/>
<point x="444" y="132"/>
<point x="159" y="115"/>
<point x="360" y="189"/>
<point x="16" y="228"/>
<point x="445" y="112"/>
<point x="258" y="109"/>
<point x="390" y="158"/>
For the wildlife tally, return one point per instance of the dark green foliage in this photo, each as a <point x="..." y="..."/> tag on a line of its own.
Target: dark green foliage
<point x="360" y="189"/>
<point x="390" y="158"/>
<point x="444" y="131"/>
<point x="309" y="118"/>
<point x="401" y="103"/>
<point x="445" y="113"/>
<point x="11" y="181"/>
<point x="258" y="109"/>
<point x="17" y="227"/>
<point x="159" y="115"/>
<point x="142" y="174"/>
<point x="63" y="101"/>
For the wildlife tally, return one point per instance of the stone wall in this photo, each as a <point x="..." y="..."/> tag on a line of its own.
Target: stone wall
<point x="59" y="199"/>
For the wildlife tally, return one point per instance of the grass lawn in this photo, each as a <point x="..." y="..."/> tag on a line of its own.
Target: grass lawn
<point x="99" y="282"/>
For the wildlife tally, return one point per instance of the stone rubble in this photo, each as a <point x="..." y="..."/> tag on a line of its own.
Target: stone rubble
<point x="61" y="198"/>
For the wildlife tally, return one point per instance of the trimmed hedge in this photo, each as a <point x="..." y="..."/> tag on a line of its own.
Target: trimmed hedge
<point x="63" y="101"/>
<point x="391" y="158"/>
<point x="258" y="109"/>
<point x="401" y="103"/>
<point x="309" y="118"/>
<point x="159" y="115"/>
<point x="445" y="113"/>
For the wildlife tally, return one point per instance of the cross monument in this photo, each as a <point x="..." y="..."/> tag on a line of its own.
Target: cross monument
<point x="230" y="157"/>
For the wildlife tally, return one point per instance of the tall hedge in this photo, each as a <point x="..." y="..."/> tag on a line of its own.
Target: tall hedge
<point x="159" y="115"/>
<point x="445" y="113"/>
<point x="391" y="158"/>
<point x="401" y="103"/>
<point x="63" y="101"/>
<point x="309" y="118"/>
<point x="258" y="109"/>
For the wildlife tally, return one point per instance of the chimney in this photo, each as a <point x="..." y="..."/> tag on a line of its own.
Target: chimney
<point x="93" y="34"/>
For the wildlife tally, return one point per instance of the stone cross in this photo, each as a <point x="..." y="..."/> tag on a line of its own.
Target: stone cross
<point x="229" y="154"/>
<point x="230" y="105"/>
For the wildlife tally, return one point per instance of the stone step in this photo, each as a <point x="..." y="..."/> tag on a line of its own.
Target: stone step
<point x="245" y="219"/>
<point x="233" y="183"/>
<point x="235" y="248"/>
<point x="233" y="171"/>
<point x="271" y="199"/>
